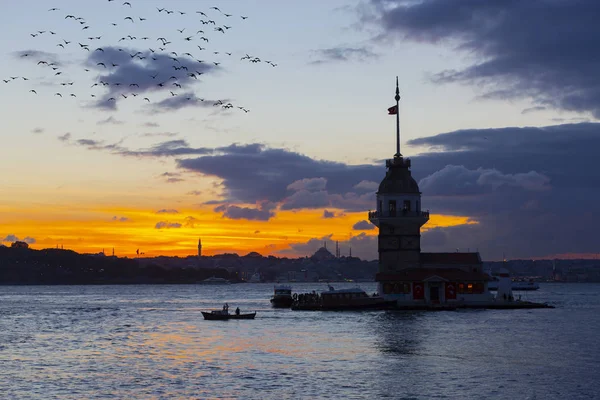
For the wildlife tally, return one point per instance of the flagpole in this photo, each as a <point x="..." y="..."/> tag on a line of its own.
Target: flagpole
<point x="397" y="119"/>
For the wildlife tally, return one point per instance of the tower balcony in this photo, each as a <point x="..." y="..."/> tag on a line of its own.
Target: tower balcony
<point x="377" y="217"/>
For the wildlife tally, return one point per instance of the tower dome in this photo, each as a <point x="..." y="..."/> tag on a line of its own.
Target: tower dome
<point x="398" y="179"/>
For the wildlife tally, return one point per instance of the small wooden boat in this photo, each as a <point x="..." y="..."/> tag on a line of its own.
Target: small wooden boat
<point x="224" y="315"/>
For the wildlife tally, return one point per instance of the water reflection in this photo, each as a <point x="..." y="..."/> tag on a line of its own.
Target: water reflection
<point x="399" y="332"/>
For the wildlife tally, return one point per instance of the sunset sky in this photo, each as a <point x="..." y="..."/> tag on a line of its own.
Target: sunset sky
<point x="499" y="109"/>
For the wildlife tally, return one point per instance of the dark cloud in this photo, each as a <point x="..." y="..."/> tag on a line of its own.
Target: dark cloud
<point x="182" y="100"/>
<point x="64" y="138"/>
<point x="363" y="226"/>
<point x="533" y="109"/>
<point x="343" y="54"/>
<point x="543" y="50"/>
<point x="120" y="219"/>
<point x="328" y="214"/>
<point x="195" y="193"/>
<point x="252" y="173"/>
<point x="264" y="211"/>
<point x="167" y="225"/>
<point x="167" y="211"/>
<point x="172" y="177"/>
<point x="144" y="73"/>
<point x="306" y="199"/>
<point x="533" y="191"/>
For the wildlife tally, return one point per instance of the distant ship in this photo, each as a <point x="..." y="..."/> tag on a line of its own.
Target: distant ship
<point x="516" y="285"/>
<point x="494" y="283"/>
<point x="215" y="281"/>
<point x="255" y="278"/>
<point x="282" y="296"/>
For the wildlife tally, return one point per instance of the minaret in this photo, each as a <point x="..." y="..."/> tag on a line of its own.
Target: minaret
<point x="398" y="215"/>
<point x="199" y="248"/>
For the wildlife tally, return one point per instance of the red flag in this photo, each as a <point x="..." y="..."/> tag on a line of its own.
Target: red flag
<point x="450" y="291"/>
<point x="393" y="110"/>
<point x="418" y="291"/>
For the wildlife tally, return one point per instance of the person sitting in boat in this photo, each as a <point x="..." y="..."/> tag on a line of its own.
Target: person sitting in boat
<point x="237" y="311"/>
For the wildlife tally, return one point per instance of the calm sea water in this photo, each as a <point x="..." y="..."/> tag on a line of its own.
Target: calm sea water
<point x="150" y="342"/>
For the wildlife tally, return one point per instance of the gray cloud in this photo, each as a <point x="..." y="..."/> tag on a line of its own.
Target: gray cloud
<point x="363" y="225"/>
<point x="167" y="211"/>
<point x="182" y="100"/>
<point x="110" y="121"/>
<point x="151" y="124"/>
<point x="159" y="134"/>
<point x="368" y="186"/>
<point x="531" y="189"/>
<point x="538" y="49"/>
<point x="13" y="238"/>
<point x="172" y="177"/>
<point x="38" y="130"/>
<point x="65" y="138"/>
<point x="167" y="225"/>
<point x="460" y="181"/>
<point x="343" y="54"/>
<point x="328" y="214"/>
<point x="120" y="219"/>
<point x="263" y="211"/>
<point x="252" y="173"/>
<point x="309" y="184"/>
<point x="152" y="73"/>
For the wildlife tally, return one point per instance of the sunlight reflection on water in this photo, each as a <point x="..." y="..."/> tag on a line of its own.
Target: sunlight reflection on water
<point x="151" y="342"/>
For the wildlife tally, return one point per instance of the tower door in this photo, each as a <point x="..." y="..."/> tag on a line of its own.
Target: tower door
<point x="434" y="294"/>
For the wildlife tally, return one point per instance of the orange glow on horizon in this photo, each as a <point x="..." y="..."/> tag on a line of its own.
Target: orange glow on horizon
<point x="94" y="229"/>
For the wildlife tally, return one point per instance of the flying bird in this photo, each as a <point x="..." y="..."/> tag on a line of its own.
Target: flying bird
<point x="147" y="99"/>
<point x="129" y="18"/>
<point x="127" y="4"/>
<point x="33" y="91"/>
<point x="58" y="94"/>
<point x="215" y="8"/>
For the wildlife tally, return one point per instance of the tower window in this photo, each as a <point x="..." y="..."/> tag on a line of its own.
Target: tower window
<point x="406" y="206"/>
<point x="392" y="208"/>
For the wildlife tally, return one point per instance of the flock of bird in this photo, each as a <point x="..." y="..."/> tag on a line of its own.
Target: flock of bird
<point x="113" y="63"/>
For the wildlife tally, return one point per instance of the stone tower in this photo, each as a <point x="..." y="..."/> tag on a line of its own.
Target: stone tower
<point x="399" y="218"/>
<point x="398" y="215"/>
